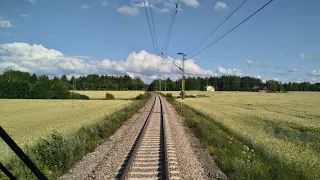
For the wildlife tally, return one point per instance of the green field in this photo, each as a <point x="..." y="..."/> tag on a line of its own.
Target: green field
<point x="117" y="94"/>
<point x="28" y="120"/>
<point x="284" y="126"/>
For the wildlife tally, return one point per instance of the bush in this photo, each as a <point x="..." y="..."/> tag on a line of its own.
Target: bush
<point x="109" y="96"/>
<point x="142" y="96"/>
<point x="74" y="95"/>
<point x="191" y="96"/>
<point x="169" y="97"/>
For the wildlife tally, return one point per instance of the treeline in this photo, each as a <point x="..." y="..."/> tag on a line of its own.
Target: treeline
<point x="96" y="82"/>
<point x="230" y="83"/>
<point x="23" y="85"/>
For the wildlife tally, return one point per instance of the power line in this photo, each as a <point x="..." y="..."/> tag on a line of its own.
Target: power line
<point x="218" y="27"/>
<point x="154" y="30"/>
<point x="174" y="63"/>
<point x="166" y="44"/>
<point x="145" y="7"/>
<point x="232" y="29"/>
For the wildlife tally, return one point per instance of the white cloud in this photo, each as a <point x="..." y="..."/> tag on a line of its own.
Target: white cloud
<point x="127" y="10"/>
<point x="296" y="79"/>
<point x="262" y="79"/>
<point x="314" y="80"/>
<point x="303" y="56"/>
<point x="40" y="60"/>
<point x="280" y="54"/>
<point x="104" y="3"/>
<point x="191" y="3"/>
<point x="85" y="6"/>
<point x="6" y="33"/>
<point x="31" y="1"/>
<point x="252" y="62"/>
<point x="276" y="79"/>
<point x="314" y="73"/>
<point x="294" y="70"/>
<point x="158" y="5"/>
<point x="25" y="16"/>
<point x="4" y="23"/>
<point x="229" y="71"/>
<point x="220" y="5"/>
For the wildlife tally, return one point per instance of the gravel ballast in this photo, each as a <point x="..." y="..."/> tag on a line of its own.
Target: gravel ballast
<point x="104" y="163"/>
<point x="194" y="161"/>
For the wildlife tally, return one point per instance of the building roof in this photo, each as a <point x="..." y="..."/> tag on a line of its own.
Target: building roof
<point x="259" y="87"/>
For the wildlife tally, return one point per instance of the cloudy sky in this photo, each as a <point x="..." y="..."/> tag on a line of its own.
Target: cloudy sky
<point x="79" y="37"/>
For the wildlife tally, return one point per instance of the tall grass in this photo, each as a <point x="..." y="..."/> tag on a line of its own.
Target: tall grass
<point x="56" y="154"/>
<point x="234" y="154"/>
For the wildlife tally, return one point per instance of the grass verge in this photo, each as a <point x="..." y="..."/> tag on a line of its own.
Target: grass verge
<point x="235" y="155"/>
<point x="56" y="154"/>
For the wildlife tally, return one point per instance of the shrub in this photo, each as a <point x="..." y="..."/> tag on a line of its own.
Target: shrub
<point x="191" y="96"/>
<point x="74" y="95"/>
<point x="169" y="97"/>
<point x="109" y="96"/>
<point x="142" y="96"/>
<point x="202" y="95"/>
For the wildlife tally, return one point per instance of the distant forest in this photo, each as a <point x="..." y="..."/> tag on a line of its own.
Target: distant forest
<point x="230" y="83"/>
<point x="23" y="85"/>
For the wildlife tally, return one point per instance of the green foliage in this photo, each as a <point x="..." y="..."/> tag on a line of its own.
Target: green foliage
<point x="229" y="83"/>
<point x="56" y="154"/>
<point x="169" y="97"/>
<point x="42" y="89"/>
<point x="272" y="85"/>
<point x="74" y="95"/>
<point x="191" y="96"/>
<point x="109" y="96"/>
<point x="60" y="89"/>
<point x="14" y="76"/>
<point x="142" y="96"/>
<point x="96" y="82"/>
<point x="202" y="95"/>
<point x="17" y="84"/>
<point x="14" y="89"/>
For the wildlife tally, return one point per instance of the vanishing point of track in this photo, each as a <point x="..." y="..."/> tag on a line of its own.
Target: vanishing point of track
<point x="152" y="155"/>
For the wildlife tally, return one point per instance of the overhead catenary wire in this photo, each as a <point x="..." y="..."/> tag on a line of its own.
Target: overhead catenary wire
<point x="218" y="27"/>
<point x="145" y="7"/>
<point x="154" y="30"/>
<point x="166" y="44"/>
<point x="232" y="29"/>
<point x="173" y="63"/>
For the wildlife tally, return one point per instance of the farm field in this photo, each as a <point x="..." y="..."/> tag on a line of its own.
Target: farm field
<point x="117" y="94"/>
<point x="284" y="126"/>
<point x="28" y="120"/>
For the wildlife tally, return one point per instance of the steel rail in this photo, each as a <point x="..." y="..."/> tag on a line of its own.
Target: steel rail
<point x="163" y="131"/>
<point x="136" y="147"/>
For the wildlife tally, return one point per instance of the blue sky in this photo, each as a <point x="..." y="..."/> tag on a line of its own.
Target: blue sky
<point x="77" y="37"/>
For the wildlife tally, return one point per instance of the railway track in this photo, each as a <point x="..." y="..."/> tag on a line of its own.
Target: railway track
<point x="152" y="155"/>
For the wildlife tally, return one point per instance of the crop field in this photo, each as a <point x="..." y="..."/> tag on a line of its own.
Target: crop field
<point x="117" y="94"/>
<point x="285" y="126"/>
<point x="28" y="120"/>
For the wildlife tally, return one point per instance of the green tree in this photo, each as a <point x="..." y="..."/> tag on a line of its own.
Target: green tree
<point x="42" y="89"/>
<point x="272" y="85"/>
<point x="33" y="78"/>
<point x="60" y="89"/>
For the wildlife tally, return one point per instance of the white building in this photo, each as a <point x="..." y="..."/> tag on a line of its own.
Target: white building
<point x="210" y="88"/>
